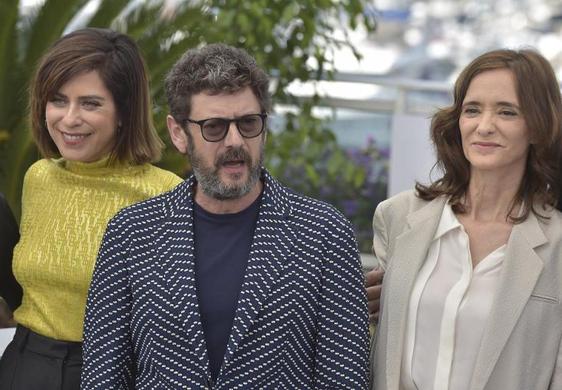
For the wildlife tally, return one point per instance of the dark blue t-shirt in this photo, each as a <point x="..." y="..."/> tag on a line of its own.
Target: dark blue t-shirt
<point x="222" y="247"/>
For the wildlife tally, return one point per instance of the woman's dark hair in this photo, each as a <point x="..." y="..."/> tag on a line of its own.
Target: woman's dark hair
<point x="538" y="93"/>
<point x="118" y="61"/>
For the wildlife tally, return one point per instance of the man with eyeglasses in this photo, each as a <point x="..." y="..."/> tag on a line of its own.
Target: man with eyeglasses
<point x="231" y="280"/>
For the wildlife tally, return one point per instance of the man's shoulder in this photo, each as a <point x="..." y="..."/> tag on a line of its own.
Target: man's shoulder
<point x="314" y="213"/>
<point x="153" y="210"/>
<point x="310" y="205"/>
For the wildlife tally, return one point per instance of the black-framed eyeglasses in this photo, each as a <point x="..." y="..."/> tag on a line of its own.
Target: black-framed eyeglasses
<point x="215" y="129"/>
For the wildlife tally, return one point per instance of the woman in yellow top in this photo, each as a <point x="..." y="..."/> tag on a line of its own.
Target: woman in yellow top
<point x="91" y="119"/>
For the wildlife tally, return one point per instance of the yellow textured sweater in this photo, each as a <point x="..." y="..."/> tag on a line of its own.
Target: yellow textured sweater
<point x="65" y="209"/>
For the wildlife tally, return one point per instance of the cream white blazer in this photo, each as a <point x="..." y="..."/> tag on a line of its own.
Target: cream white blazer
<point x="521" y="345"/>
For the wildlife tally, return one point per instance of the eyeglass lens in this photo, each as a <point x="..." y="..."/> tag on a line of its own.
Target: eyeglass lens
<point x="249" y="126"/>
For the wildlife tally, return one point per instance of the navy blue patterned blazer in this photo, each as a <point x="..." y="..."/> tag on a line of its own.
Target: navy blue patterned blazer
<point x="301" y="320"/>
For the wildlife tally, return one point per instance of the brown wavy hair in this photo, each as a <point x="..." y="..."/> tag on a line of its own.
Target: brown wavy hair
<point x="118" y="60"/>
<point x="539" y="98"/>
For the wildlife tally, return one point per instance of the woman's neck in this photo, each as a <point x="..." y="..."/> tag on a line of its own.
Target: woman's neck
<point x="490" y="197"/>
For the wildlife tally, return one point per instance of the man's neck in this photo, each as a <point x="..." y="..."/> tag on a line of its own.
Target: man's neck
<point x="227" y="206"/>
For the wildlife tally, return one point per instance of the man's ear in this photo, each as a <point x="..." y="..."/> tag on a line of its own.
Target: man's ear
<point x="177" y="134"/>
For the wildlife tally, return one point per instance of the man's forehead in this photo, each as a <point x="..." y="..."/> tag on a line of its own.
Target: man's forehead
<point x="207" y="104"/>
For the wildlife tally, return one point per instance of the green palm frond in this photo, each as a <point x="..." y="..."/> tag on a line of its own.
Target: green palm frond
<point x="282" y="35"/>
<point x="49" y="24"/>
<point x="8" y="56"/>
<point x="107" y="12"/>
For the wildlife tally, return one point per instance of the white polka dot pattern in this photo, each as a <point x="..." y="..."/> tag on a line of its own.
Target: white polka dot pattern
<point x="301" y="320"/>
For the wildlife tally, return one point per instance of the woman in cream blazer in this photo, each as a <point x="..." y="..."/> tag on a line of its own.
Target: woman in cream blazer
<point x="472" y="288"/>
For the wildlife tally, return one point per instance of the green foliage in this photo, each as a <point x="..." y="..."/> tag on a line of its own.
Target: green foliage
<point x="293" y="40"/>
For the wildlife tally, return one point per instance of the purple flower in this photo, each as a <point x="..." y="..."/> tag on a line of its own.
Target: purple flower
<point x="350" y="207"/>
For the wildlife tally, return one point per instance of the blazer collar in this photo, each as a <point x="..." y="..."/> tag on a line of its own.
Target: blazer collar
<point x="521" y="270"/>
<point x="268" y="254"/>
<point x="408" y="255"/>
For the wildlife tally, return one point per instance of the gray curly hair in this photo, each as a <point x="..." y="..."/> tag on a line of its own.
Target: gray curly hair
<point x="214" y="68"/>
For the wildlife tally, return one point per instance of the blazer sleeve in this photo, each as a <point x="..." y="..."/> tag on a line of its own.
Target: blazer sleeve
<point x="380" y="250"/>
<point x="380" y="236"/>
<point x="108" y="351"/>
<point x="342" y="337"/>
<point x="556" y="381"/>
<point x="10" y="290"/>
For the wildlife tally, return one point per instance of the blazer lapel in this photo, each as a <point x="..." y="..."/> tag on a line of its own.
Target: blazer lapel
<point x="522" y="268"/>
<point x="269" y="251"/>
<point x="178" y="269"/>
<point x="409" y="253"/>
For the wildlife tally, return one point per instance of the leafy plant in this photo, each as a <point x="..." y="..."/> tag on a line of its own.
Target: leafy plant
<point x="354" y="180"/>
<point x="293" y="40"/>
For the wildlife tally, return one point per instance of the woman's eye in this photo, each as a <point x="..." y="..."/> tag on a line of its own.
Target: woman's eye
<point x="470" y="110"/>
<point x="91" y="104"/>
<point x="508" y="113"/>
<point x="57" y="101"/>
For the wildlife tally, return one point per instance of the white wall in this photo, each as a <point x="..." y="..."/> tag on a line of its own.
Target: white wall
<point x="6" y="336"/>
<point x="411" y="153"/>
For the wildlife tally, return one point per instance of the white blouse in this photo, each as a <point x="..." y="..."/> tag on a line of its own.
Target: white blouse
<point x="448" y="309"/>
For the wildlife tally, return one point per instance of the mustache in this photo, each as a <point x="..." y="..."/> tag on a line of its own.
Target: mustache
<point x="237" y="153"/>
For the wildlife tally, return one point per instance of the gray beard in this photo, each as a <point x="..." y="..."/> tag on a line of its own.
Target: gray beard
<point x="208" y="179"/>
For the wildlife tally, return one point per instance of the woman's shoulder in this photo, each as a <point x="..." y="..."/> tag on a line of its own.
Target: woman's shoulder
<point x="42" y="164"/>
<point x="395" y="212"/>
<point x="551" y="222"/>
<point x="164" y="178"/>
<point x="40" y="168"/>
<point x="556" y="215"/>
<point x="406" y="201"/>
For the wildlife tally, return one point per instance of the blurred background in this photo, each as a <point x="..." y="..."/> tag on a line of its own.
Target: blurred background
<point x="354" y="81"/>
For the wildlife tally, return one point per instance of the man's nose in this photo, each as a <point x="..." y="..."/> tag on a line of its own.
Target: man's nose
<point x="233" y="136"/>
